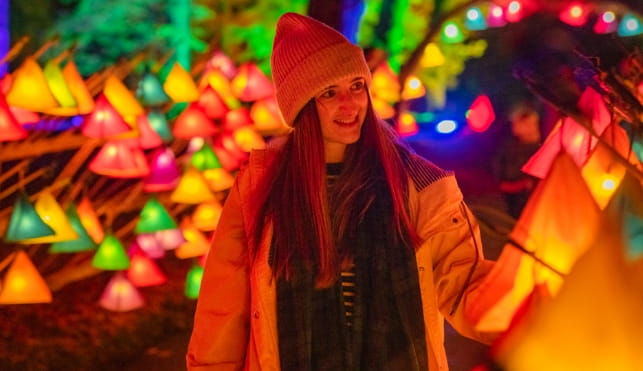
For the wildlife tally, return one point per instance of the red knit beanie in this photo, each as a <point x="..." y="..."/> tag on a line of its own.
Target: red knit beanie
<point x="308" y="56"/>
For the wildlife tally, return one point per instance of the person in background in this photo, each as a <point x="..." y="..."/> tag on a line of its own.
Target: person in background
<point x="338" y="248"/>
<point x="525" y="139"/>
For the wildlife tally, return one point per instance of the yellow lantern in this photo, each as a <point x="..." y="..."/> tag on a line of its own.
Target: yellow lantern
<point x="385" y="84"/>
<point x="192" y="189"/>
<point x="54" y="216"/>
<point x="206" y="216"/>
<point x="267" y="118"/>
<point x="195" y="244"/>
<point x="23" y="284"/>
<point x="248" y="139"/>
<point x="180" y="86"/>
<point x="30" y="89"/>
<point x="218" y="179"/>
<point x="123" y="100"/>
<point x="383" y="109"/>
<point x="222" y="86"/>
<point x="432" y="56"/>
<point x="58" y="85"/>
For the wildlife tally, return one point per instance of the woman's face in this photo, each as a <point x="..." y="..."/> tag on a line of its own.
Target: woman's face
<point x="341" y="108"/>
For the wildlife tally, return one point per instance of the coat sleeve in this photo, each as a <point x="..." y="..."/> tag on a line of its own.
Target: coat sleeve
<point x="221" y="322"/>
<point x="451" y="234"/>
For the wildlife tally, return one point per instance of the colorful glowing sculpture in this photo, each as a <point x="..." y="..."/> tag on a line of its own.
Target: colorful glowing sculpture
<point x="164" y="174"/>
<point x="192" y="188"/>
<point x="90" y="221"/>
<point x="143" y="271"/>
<point x="30" y="89"/>
<point x="22" y="284"/>
<point x="193" y="122"/>
<point x="117" y="159"/>
<point x="111" y="255"/>
<point x="154" y="217"/>
<point x="150" y="91"/>
<point x="480" y="115"/>
<point x="104" y="121"/>
<point x="213" y="106"/>
<point x="193" y="282"/>
<point x="10" y="129"/>
<point x="25" y="223"/>
<point x="180" y="86"/>
<point x="120" y="295"/>
<point x="82" y="243"/>
<point x="206" y="216"/>
<point x="54" y="216"/>
<point x="250" y="84"/>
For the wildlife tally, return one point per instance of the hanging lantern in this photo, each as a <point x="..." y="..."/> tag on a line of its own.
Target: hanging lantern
<point x="150" y="91"/>
<point x="104" y="121"/>
<point x="385" y="84"/>
<point x="193" y="282"/>
<point x="193" y="122"/>
<point x="204" y="158"/>
<point x="195" y="245"/>
<point x="407" y="125"/>
<point x="496" y="16"/>
<point x="23" y="116"/>
<point x="123" y="100"/>
<point x="29" y="89"/>
<point x="218" y="179"/>
<point x="474" y="20"/>
<point x="206" y="216"/>
<point x="25" y="222"/>
<point x="221" y="85"/>
<point x="228" y="160"/>
<point x="630" y="25"/>
<point x="575" y="14"/>
<point x="192" y="189"/>
<point x="154" y="217"/>
<point x="250" y="84"/>
<point x="606" y="23"/>
<point x="82" y="243"/>
<point x="10" y="129"/>
<point x="221" y="62"/>
<point x="515" y="11"/>
<point x="164" y="173"/>
<point x="111" y="255"/>
<point x="22" y="284"/>
<point x="58" y="85"/>
<point x="118" y="160"/>
<point x="143" y="271"/>
<point x="147" y="138"/>
<point x="432" y="56"/>
<point x="213" y="106"/>
<point x="180" y="86"/>
<point x="236" y="119"/>
<point x="382" y="108"/>
<point x="54" y="216"/>
<point x="480" y="115"/>
<point x="150" y="245"/>
<point x="451" y="33"/>
<point x="75" y="83"/>
<point x="170" y="239"/>
<point x="248" y="139"/>
<point x="413" y="89"/>
<point x="158" y="123"/>
<point x="89" y="220"/>
<point x="120" y="295"/>
<point x="267" y="118"/>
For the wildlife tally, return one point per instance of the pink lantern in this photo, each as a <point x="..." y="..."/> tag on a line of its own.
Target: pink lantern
<point x="120" y="295"/>
<point x="104" y="121"/>
<point x="170" y="239"/>
<point x="480" y="115"/>
<point x="150" y="245"/>
<point x="251" y="84"/>
<point x="221" y="62"/>
<point x="118" y="160"/>
<point x="164" y="174"/>
<point x="10" y="129"/>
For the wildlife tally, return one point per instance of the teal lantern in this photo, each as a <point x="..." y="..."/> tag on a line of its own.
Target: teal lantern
<point x="111" y="255"/>
<point x="193" y="282"/>
<point x="150" y="91"/>
<point x="154" y="217"/>
<point x="25" y="223"/>
<point x="158" y="123"/>
<point x="630" y="25"/>
<point x="474" y="20"/>
<point x="82" y="243"/>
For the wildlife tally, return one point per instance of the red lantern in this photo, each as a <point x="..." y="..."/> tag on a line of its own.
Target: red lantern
<point x="193" y="122"/>
<point x="212" y="104"/>
<point x="251" y="84"/>
<point x="116" y="159"/>
<point x="10" y="129"/>
<point x="480" y="115"/>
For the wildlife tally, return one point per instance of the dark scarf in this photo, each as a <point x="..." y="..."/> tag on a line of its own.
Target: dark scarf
<point x="388" y="326"/>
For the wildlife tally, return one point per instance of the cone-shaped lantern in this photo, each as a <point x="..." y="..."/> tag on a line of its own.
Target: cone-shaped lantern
<point x="143" y="271"/>
<point x="575" y="14"/>
<point x="204" y="158"/>
<point x="475" y="20"/>
<point x="496" y="16"/>
<point x="212" y="104"/>
<point x="170" y="239"/>
<point x="606" y="23"/>
<point x="150" y="245"/>
<point x="193" y="282"/>
<point x="82" y="243"/>
<point x="10" y="129"/>
<point x="195" y="244"/>
<point x="192" y="188"/>
<point x="120" y="295"/>
<point x="154" y="217"/>
<point x="147" y="137"/>
<point x="218" y="179"/>
<point x="630" y="25"/>
<point x="413" y="88"/>
<point x="89" y="220"/>
<point x="111" y="255"/>
<point x="221" y="62"/>
<point x="180" y="86"/>
<point x="122" y="99"/>
<point x="23" y="284"/>
<point x="432" y="56"/>
<point x="236" y="119"/>
<point x="250" y="84"/>
<point x="221" y="85"/>
<point x="30" y="89"/>
<point x="480" y="115"/>
<point x="164" y="174"/>
<point x="385" y="83"/>
<point x="150" y="91"/>
<point x="206" y="216"/>
<point x="383" y="108"/>
<point x="266" y="117"/>
<point x="248" y="139"/>
<point x="407" y="125"/>
<point x="158" y="123"/>
<point x="58" y="85"/>
<point x="24" y="116"/>
<point x="52" y="214"/>
<point x="25" y="222"/>
<point x="118" y="160"/>
<point x="193" y="122"/>
<point x="84" y="99"/>
<point x="228" y="160"/>
<point x="104" y="121"/>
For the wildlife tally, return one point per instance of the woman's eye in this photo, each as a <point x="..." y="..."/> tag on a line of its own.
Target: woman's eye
<point x="328" y="94"/>
<point x="357" y="86"/>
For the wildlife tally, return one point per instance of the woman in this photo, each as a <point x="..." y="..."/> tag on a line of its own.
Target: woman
<point x="338" y="248"/>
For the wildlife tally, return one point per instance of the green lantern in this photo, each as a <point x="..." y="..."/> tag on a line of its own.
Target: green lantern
<point x="82" y="243"/>
<point x="154" y="217"/>
<point x="111" y="255"/>
<point x="193" y="282"/>
<point x="150" y="91"/>
<point x="25" y="222"/>
<point x="205" y="158"/>
<point x="451" y="33"/>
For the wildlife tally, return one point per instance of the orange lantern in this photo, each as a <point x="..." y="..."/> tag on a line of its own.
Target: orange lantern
<point x="413" y="88"/>
<point x="385" y="84"/>
<point x="206" y="216"/>
<point x="180" y="86"/>
<point x="382" y="108"/>
<point x="236" y="119"/>
<point x="104" y="121"/>
<point x="192" y="189"/>
<point x="221" y="85"/>
<point x="120" y="295"/>
<point x="195" y="244"/>
<point x="251" y="84"/>
<point x="84" y="100"/>
<point x="89" y="220"/>
<point x="118" y="160"/>
<point x="267" y="118"/>
<point x="30" y="89"/>
<point x="193" y="122"/>
<point x="23" y="284"/>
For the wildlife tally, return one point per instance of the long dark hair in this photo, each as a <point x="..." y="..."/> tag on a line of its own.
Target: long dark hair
<point x="292" y="195"/>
